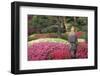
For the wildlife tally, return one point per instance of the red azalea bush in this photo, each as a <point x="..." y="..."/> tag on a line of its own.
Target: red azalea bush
<point x="60" y="54"/>
<point x="61" y="51"/>
<point x="82" y="50"/>
<point x="79" y="34"/>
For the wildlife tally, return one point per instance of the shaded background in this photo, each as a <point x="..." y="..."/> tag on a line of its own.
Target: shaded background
<point x="56" y="26"/>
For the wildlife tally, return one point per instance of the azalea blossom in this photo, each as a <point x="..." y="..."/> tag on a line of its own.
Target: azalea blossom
<point x="55" y="50"/>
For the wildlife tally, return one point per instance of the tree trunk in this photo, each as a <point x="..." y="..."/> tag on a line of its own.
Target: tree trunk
<point x="59" y="25"/>
<point x="65" y="23"/>
<point x="75" y="21"/>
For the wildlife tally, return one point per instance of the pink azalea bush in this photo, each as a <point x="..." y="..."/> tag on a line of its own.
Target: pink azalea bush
<point x="48" y="50"/>
<point x="54" y="50"/>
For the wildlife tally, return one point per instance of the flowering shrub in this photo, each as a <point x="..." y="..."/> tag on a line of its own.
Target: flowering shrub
<point x="58" y="40"/>
<point x="48" y="35"/>
<point x="79" y="34"/>
<point x="48" y="50"/>
<point x="55" y="50"/>
<point x="60" y="54"/>
<point x="82" y="50"/>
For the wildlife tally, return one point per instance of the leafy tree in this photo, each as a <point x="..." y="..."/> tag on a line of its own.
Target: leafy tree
<point x="56" y="24"/>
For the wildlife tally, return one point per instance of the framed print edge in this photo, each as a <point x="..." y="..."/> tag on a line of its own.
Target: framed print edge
<point x="96" y="37"/>
<point x="15" y="38"/>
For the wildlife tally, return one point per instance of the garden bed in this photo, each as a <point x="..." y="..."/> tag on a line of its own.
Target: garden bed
<point x="54" y="48"/>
